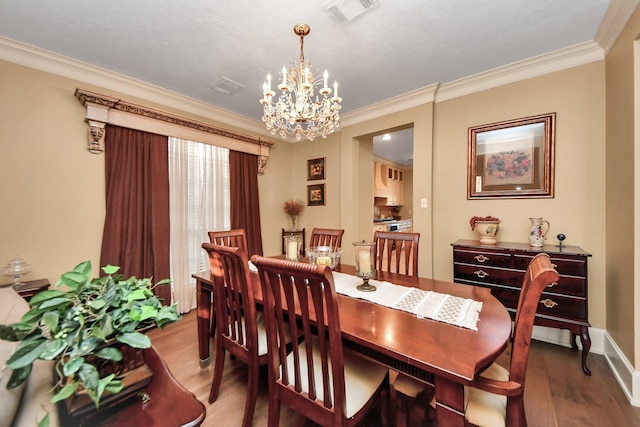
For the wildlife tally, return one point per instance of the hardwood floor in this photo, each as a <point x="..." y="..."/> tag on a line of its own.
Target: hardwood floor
<point x="557" y="392"/>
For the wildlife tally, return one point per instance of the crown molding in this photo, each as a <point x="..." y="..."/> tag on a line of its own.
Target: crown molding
<point x="558" y="60"/>
<point x="389" y="106"/>
<point x="43" y="60"/>
<point x="613" y="22"/>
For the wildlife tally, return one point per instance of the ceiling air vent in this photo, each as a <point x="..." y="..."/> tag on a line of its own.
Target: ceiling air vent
<point x="345" y="11"/>
<point x="226" y="86"/>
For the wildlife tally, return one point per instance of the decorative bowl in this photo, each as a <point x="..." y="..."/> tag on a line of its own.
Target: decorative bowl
<point x="323" y="255"/>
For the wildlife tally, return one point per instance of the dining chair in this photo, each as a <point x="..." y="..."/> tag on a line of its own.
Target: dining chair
<point x="326" y="237"/>
<point x="496" y="397"/>
<point x="396" y="252"/>
<point x="318" y="378"/>
<point x="240" y="329"/>
<point x="235" y="238"/>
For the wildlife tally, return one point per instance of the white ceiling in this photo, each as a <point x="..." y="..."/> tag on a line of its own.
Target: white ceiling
<point x="187" y="46"/>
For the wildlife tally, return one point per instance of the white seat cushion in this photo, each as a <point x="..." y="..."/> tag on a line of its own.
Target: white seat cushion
<point x="483" y="408"/>
<point x="362" y="378"/>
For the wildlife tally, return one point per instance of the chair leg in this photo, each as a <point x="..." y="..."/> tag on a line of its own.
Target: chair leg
<point x="217" y="372"/>
<point x="274" y="412"/>
<point x="252" y="395"/>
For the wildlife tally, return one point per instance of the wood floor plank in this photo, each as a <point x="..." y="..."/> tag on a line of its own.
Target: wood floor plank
<point x="557" y="393"/>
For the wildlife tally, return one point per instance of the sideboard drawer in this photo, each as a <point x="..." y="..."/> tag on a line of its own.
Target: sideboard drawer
<point x="570" y="267"/>
<point x="492" y="259"/>
<point x="489" y="275"/>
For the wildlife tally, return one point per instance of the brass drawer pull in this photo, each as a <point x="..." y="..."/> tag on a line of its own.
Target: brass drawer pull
<point x="481" y="274"/>
<point x="481" y="258"/>
<point x="548" y="303"/>
<point x="552" y="284"/>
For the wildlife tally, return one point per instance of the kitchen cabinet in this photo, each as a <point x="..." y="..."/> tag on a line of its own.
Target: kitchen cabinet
<point x="380" y="180"/>
<point x="501" y="268"/>
<point x="389" y="184"/>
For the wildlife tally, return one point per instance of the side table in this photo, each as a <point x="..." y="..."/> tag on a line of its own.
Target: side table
<point x="28" y="289"/>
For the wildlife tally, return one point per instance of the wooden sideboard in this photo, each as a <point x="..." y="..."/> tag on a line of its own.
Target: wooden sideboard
<point x="501" y="268"/>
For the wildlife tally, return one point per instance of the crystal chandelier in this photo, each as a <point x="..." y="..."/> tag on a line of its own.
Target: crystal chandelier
<point x="296" y="111"/>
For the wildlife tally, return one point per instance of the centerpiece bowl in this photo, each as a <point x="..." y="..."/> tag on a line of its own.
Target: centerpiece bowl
<point x="323" y="255"/>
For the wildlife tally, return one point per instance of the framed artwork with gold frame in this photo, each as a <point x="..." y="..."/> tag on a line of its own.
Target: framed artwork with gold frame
<point x="512" y="159"/>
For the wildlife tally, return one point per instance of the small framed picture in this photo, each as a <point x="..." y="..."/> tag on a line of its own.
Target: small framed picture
<point x="315" y="195"/>
<point x="315" y="169"/>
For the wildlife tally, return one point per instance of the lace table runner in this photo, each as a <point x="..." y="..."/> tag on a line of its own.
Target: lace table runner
<point x="463" y="312"/>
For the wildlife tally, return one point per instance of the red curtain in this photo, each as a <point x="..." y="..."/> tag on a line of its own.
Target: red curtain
<point x="245" y="204"/>
<point x="136" y="228"/>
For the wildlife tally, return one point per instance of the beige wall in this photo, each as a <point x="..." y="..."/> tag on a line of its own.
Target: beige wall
<point x="576" y="95"/>
<point x="53" y="189"/>
<point x="622" y="179"/>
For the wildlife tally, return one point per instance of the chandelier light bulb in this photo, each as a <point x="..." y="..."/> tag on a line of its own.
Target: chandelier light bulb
<point x="298" y="110"/>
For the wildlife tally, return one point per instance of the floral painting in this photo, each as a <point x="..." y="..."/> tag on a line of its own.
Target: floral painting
<point x="509" y="167"/>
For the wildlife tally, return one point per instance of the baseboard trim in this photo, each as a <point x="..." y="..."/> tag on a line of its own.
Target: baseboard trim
<point x="601" y="343"/>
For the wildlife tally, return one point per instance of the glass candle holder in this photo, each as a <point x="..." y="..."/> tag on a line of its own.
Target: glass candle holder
<point x="365" y="266"/>
<point x="16" y="268"/>
<point x="292" y="247"/>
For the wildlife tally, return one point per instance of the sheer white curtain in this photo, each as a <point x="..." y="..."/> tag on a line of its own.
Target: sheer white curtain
<point x="199" y="202"/>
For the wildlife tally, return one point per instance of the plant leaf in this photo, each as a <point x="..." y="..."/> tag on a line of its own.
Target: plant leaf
<point x="18" y="376"/>
<point x="65" y="392"/>
<point x="135" y="339"/>
<point x="45" y="295"/>
<point x="110" y="269"/>
<point x="83" y="268"/>
<point x="50" y="319"/>
<point x="148" y="313"/>
<point x="109" y="353"/>
<point x="53" y="349"/>
<point x="54" y="302"/>
<point x="102" y="384"/>
<point x="97" y="304"/>
<point x="74" y="280"/>
<point x="115" y="386"/>
<point x="15" y="331"/>
<point x="44" y="422"/>
<point x="72" y="366"/>
<point x="26" y="354"/>
<point x="89" y="376"/>
<point x="136" y="295"/>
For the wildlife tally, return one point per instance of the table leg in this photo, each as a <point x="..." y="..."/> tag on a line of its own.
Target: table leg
<point x="203" y="298"/>
<point x="449" y="403"/>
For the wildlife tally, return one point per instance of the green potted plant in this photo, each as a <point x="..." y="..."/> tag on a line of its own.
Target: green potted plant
<point x="83" y="327"/>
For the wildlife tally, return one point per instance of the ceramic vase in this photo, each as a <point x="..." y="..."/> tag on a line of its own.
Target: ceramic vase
<point x="487" y="231"/>
<point x="538" y="233"/>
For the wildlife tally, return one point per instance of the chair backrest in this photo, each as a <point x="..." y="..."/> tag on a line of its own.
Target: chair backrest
<point x="306" y="292"/>
<point x="326" y="237"/>
<point x="235" y="305"/>
<point x="396" y="252"/>
<point x="540" y="274"/>
<point x="236" y="238"/>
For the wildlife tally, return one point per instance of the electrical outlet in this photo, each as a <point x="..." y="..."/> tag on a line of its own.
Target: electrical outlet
<point x="424" y="203"/>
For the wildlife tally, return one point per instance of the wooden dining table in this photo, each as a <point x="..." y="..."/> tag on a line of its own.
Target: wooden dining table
<point x="428" y="350"/>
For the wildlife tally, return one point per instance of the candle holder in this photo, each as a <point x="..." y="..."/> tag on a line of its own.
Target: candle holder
<point x="292" y="247"/>
<point x="365" y="267"/>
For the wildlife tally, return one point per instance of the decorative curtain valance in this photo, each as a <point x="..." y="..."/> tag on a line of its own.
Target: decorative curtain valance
<point x="103" y="109"/>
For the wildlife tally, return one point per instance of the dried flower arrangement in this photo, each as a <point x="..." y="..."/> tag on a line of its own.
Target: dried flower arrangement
<point x="293" y="207"/>
<point x="475" y="219"/>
